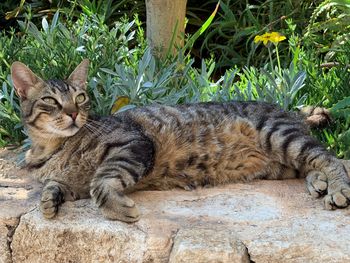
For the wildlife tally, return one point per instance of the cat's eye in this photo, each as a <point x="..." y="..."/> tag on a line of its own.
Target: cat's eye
<point x="49" y="100"/>
<point x="80" y="98"/>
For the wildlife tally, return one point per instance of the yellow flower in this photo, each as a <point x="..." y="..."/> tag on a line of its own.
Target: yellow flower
<point x="264" y="38"/>
<point x="273" y="37"/>
<point x="276" y="37"/>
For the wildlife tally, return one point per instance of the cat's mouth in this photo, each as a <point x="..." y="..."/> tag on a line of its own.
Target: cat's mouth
<point x="72" y="126"/>
<point x="72" y="129"/>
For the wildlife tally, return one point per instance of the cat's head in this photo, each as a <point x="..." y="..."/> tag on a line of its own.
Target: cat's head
<point x="53" y="108"/>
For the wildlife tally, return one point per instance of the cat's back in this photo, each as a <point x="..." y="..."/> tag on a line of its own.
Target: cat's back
<point x="179" y="117"/>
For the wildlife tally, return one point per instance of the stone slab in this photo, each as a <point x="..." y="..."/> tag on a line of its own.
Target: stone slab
<point x="277" y="221"/>
<point x="263" y="221"/>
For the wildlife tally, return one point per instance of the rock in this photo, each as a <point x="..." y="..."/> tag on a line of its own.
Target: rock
<point x="263" y="221"/>
<point x="77" y="238"/>
<point x="208" y="245"/>
<point x="18" y="195"/>
<point x="277" y="221"/>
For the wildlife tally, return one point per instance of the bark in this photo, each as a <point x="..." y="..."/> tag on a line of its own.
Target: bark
<point x="165" y="21"/>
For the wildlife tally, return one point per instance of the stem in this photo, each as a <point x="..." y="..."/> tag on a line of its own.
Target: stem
<point x="278" y="60"/>
<point x="271" y="62"/>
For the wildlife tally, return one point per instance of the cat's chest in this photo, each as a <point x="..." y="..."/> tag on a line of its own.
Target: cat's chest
<point x="74" y="165"/>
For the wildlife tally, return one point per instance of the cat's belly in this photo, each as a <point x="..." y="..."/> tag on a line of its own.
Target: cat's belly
<point x="245" y="168"/>
<point x="228" y="154"/>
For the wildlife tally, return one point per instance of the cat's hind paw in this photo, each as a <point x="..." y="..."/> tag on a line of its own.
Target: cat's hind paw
<point x="51" y="198"/>
<point x="316" y="117"/>
<point x="316" y="183"/>
<point x="339" y="198"/>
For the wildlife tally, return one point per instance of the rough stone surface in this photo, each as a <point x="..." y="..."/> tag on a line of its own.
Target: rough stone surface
<point x="263" y="221"/>
<point x="17" y="196"/>
<point x="208" y="245"/>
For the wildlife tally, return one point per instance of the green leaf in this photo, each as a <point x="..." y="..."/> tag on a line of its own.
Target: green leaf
<point x="108" y="71"/>
<point x="344" y="103"/>
<point x="341" y="113"/>
<point x="204" y="27"/>
<point x="345" y="138"/>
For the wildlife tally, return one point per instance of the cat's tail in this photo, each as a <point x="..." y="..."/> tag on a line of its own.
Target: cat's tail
<point x="316" y="117"/>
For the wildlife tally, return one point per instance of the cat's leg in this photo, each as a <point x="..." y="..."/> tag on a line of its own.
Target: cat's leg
<point x="325" y="173"/>
<point x="122" y="167"/>
<point x="52" y="196"/>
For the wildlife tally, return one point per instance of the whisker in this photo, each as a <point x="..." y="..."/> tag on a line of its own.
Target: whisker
<point x="93" y="130"/>
<point x="100" y="125"/>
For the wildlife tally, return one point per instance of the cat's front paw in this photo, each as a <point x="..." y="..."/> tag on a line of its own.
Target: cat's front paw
<point x="338" y="197"/>
<point x="51" y="198"/>
<point x="120" y="207"/>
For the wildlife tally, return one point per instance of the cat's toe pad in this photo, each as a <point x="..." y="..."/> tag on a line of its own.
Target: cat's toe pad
<point x="316" y="183"/>
<point x="337" y="199"/>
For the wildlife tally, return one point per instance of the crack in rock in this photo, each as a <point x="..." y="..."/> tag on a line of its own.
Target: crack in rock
<point x="172" y="240"/>
<point x="11" y="231"/>
<point x="248" y="254"/>
<point x="11" y="228"/>
<point x="16" y="186"/>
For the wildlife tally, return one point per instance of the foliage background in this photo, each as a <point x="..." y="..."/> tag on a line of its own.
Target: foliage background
<point x="224" y="63"/>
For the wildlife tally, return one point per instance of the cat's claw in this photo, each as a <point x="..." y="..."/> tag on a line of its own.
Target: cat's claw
<point x="316" y="183"/>
<point x="51" y="198"/>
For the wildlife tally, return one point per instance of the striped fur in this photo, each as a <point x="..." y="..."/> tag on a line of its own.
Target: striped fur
<point x="162" y="147"/>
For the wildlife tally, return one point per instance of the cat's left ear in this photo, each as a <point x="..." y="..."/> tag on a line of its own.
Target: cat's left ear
<point x="79" y="76"/>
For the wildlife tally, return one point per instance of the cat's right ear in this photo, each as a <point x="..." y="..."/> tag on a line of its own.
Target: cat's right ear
<point x="23" y="79"/>
<point x="79" y="75"/>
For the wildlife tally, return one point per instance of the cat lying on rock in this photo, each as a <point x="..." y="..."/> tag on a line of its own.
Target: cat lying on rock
<point x="76" y="155"/>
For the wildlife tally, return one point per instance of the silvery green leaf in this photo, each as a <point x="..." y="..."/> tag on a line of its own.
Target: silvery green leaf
<point x="45" y="25"/>
<point x="147" y="84"/>
<point x="81" y="49"/>
<point x="126" y="107"/>
<point x="33" y="30"/>
<point x="22" y="25"/>
<point x="54" y="20"/>
<point x="108" y="71"/>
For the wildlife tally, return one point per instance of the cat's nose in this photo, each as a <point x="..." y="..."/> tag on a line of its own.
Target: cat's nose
<point x="73" y="115"/>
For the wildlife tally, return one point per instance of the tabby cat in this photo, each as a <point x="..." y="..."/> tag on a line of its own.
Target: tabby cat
<point x="159" y="147"/>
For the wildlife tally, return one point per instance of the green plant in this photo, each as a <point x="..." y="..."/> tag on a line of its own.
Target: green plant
<point x="177" y="81"/>
<point x="328" y="27"/>
<point x="143" y="82"/>
<point x="230" y="37"/>
<point x="340" y="135"/>
<point x="58" y="47"/>
<point x="11" y="127"/>
<point x="107" y="11"/>
<point x="327" y="86"/>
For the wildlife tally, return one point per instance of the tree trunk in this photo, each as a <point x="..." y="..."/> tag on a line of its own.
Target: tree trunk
<point x="165" y="21"/>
